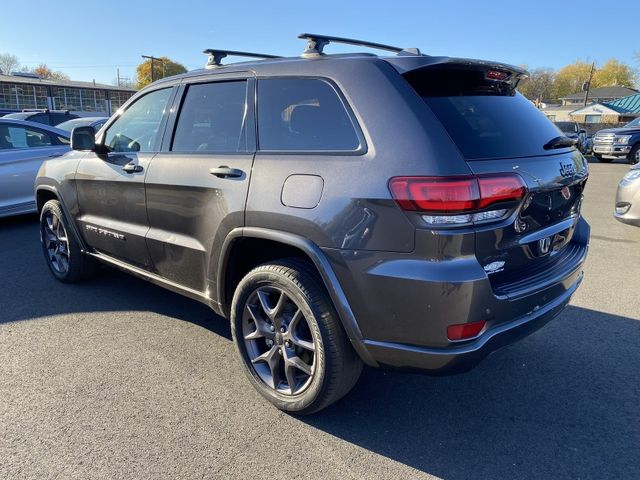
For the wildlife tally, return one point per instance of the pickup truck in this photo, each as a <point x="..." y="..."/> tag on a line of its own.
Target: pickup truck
<point x="621" y="142"/>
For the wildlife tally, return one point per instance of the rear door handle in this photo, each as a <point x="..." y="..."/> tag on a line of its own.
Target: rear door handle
<point x="226" y="172"/>
<point x="132" y="168"/>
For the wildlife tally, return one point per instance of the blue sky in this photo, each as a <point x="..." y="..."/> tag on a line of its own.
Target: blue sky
<point x="88" y="39"/>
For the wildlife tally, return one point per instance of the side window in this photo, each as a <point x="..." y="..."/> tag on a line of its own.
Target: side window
<point x="21" y="137"/>
<point x="137" y="128"/>
<point x="212" y="118"/>
<point x="40" y="118"/>
<point x="303" y="115"/>
<point x="58" y="118"/>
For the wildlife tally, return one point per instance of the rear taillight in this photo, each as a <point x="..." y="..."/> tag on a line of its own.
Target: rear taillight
<point x="458" y="200"/>
<point x="464" y="331"/>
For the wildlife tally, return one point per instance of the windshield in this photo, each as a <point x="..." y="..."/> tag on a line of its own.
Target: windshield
<point x="567" y="127"/>
<point x="634" y="123"/>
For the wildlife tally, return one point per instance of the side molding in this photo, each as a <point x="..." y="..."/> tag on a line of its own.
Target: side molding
<point x="347" y="318"/>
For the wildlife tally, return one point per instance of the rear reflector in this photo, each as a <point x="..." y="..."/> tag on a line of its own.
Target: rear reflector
<point x="463" y="331"/>
<point x="451" y="195"/>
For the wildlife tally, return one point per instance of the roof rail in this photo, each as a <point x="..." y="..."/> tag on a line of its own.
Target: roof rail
<point x="216" y="55"/>
<point x="316" y="44"/>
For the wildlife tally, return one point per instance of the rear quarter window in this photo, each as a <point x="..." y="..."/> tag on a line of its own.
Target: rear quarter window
<point x="303" y="114"/>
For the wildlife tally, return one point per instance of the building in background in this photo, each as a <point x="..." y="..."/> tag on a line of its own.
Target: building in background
<point x="27" y="91"/>
<point x="597" y="95"/>
<point x="622" y="110"/>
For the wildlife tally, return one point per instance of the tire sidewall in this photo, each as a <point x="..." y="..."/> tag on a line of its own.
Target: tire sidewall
<point x="248" y="285"/>
<point x="54" y="207"/>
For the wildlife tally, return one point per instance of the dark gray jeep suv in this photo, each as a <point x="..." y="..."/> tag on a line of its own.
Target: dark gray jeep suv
<point x="407" y="212"/>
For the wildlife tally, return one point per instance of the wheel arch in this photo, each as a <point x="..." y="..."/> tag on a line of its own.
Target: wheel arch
<point x="276" y="245"/>
<point x="44" y="193"/>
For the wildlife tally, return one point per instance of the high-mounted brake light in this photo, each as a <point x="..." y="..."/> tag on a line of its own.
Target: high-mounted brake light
<point x="458" y="200"/>
<point x="496" y="75"/>
<point x="463" y="331"/>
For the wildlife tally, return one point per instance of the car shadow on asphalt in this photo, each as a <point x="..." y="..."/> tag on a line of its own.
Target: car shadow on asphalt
<point x="24" y="272"/>
<point x="559" y="404"/>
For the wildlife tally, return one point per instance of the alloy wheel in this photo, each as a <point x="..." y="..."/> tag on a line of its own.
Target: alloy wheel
<point x="56" y="242"/>
<point x="278" y="340"/>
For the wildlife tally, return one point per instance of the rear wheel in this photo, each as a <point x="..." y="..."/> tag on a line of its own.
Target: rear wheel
<point x="634" y="155"/>
<point x="61" y="250"/>
<point x="291" y="343"/>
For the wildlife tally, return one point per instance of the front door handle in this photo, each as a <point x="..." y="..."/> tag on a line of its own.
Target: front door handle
<point x="132" y="168"/>
<point x="226" y="172"/>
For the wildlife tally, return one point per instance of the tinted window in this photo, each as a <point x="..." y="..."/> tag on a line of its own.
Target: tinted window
<point x="57" y="118"/>
<point x="39" y="118"/>
<point x="212" y="119"/>
<point x="137" y="129"/>
<point x="485" y="119"/>
<point x="21" y="137"/>
<point x="303" y="115"/>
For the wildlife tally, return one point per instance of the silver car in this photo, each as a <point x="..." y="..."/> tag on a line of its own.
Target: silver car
<point x="628" y="197"/>
<point x="23" y="148"/>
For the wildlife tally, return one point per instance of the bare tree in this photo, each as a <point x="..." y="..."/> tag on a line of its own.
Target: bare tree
<point x="8" y="63"/>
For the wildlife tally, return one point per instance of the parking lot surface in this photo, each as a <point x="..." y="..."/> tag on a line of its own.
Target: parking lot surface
<point x="117" y="378"/>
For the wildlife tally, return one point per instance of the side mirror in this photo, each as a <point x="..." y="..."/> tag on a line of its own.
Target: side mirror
<point x="83" y="139"/>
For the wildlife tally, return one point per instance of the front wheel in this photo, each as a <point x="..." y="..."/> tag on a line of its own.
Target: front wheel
<point x="290" y="341"/>
<point x="634" y="155"/>
<point x="61" y="250"/>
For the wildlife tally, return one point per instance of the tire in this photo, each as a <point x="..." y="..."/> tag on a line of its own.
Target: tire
<point x="634" y="154"/>
<point x="281" y="315"/>
<point x="61" y="250"/>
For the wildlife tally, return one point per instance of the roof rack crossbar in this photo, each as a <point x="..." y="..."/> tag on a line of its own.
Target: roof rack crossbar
<point x="316" y="44"/>
<point x="216" y="55"/>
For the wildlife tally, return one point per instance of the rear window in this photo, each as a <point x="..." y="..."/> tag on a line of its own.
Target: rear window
<point x="486" y="119"/>
<point x="303" y="114"/>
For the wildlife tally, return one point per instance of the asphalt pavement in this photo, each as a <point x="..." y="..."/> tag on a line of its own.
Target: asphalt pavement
<point x="119" y="379"/>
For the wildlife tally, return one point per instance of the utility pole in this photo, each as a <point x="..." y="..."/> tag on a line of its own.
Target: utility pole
<point x="151" y="59"/>
<point x="118" y="73"/>
<point x="587" y="85"/>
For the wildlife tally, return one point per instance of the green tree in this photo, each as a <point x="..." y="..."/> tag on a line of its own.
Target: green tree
<point x="570" y="78"/>
<point x="165" y="67"/>
<point x="540" y="85"/>
<point x="8" y="63"/>
<point x="613" y="73"/>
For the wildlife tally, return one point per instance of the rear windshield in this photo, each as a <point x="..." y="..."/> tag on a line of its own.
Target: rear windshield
<point x="486" y="119"/>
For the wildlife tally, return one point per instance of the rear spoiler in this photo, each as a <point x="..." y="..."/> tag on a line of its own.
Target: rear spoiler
<point x="493" y="72"/>
<point x="404" y="64"/>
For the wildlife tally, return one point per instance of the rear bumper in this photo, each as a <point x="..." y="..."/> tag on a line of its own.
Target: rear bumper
<point x="459" y="359"/>
<point x="403" y="303"/>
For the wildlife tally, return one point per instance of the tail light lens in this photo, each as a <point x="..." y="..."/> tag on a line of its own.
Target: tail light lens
<point x="458" y="200"/>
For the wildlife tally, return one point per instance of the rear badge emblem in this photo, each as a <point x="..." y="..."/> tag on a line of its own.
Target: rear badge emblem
<point x="494" y="267"/>
<point x="567" y="169"/>
<point x="544" y="245"/>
